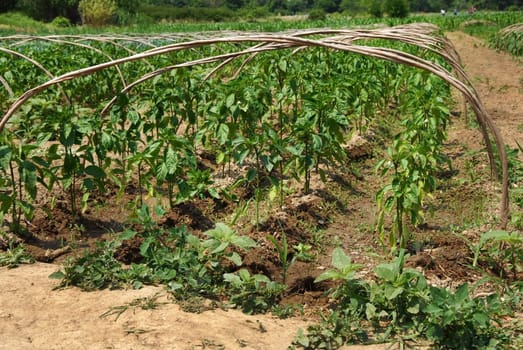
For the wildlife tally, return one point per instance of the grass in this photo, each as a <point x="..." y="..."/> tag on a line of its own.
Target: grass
<point x="14" y="22"/>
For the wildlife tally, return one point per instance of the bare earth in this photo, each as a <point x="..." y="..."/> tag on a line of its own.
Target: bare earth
<point x="34" y="316"/>
<point x="498" y="79"/>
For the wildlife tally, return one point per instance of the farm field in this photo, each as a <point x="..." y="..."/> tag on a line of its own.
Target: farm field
<point x="327" y="204"/>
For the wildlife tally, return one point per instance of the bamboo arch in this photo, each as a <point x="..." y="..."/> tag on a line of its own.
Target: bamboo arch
<point x="422" y="35"/>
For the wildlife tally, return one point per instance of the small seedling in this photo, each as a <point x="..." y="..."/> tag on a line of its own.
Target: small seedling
<point x="146" y="303"/>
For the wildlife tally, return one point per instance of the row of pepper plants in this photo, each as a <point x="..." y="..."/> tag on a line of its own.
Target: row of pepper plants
<point x="286" y="115"/>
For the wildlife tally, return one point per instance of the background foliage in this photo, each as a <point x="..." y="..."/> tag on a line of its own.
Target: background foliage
<point x="131" y="11"/>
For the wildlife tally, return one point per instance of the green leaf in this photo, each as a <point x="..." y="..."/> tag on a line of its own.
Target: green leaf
<point x="328" y="275"/>
<point x="175" y="286"/>
<point x="481" y="318"/>
<point x="462" y="293"/>
<point x="261" y="278"/>
<point x="235" y="258"/>
<point x="57" y="275"/>
<point x="370" y="311"/>
<point x="317" y="142"/>
<point x="385" y="272"/>
<point x="432" y="309"/>
<point x="95" y="171"/>
<point x="230" y="100"/>
<point x="282" y="65"/>
<point x="240" y="156"/>
<point x="244" y="242"/>
<point x="222" y="134"/>
<point x="251" y="174"/>
<point x="220" y="248"/>
<point x="127" y="234"/>
<point x="213" y="192"/>
<point x="294" y="151"/>
<point x="392" y="293"/>
<point x="221" y="157"/>
<point x="232" y="278"/>
<point x="339" y="259"/>
<point x="413" y="309"/>
<point x="244" y="275"/>
<point x="5" y="157"/>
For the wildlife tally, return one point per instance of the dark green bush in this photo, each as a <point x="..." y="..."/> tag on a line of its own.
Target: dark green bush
<point x="317" y="15"/>
<point x="396" y="8"/>
<point x="61" y="22"/>
<point x="376" y="9"/>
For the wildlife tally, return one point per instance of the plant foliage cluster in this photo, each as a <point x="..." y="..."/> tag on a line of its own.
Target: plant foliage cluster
<point x="509" y="39"/>
<point x="188" y="265"/>
<point x="277" y="118"/>
<point x="399" y="303"/>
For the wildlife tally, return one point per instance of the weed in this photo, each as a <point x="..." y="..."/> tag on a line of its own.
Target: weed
<point x="131" y="330"/>
<point x="401" y="306"/>
<point x="500" y="252"/>
<point x="95" y="270"/>
<point x="146" y="303"/>
<point x="283" y="253"/>
<point x="286" y="311"/>
<point x="210" y="344"/>
<point x="302" y="252"/>
<point x="457" y="321"/>
<point x="15" y="256"/>
<point x="192" y="268"/>
<point x="195" y="304"/>
<point x="334" y="330"/>
<point x="222" y="237"/>
<point x="515" y="165"/>
<point x="317" y="238"/>
<point x="253" y="293"/>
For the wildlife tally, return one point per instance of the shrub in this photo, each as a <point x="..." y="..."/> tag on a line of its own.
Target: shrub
<point x="7" y="5"/>
<point x="396" y="8"/>
<point x="61" y="22"/>
<point x="255" y="13"/>
<point x="97" y="12"/>
<point x="317" y="15"/>
<point x="375" y="9"/>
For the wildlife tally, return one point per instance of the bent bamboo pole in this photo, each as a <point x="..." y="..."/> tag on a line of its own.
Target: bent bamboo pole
<point x="339" y="40"/>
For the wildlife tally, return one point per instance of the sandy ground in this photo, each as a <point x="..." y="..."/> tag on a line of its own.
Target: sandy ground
<point x="34" y="316"/>
<point x="498" y="79"/>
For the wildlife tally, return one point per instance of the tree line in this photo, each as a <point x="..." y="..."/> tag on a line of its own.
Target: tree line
<point x="99" y="12"/>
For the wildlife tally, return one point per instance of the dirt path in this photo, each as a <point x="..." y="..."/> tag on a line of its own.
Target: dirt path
<point x="33" y="316"/>
<point x="498" y="79"/>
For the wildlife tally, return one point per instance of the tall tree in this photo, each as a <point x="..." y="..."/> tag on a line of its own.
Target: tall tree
<point x="128" y="6"/>
<point x="354" y="6"/>
<point x="328" y="6"/>
<point x="7" y="5"/>
<point x="421" y="6"/>
<point x="396" y="8"/>
<point x="46" y="10"/>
